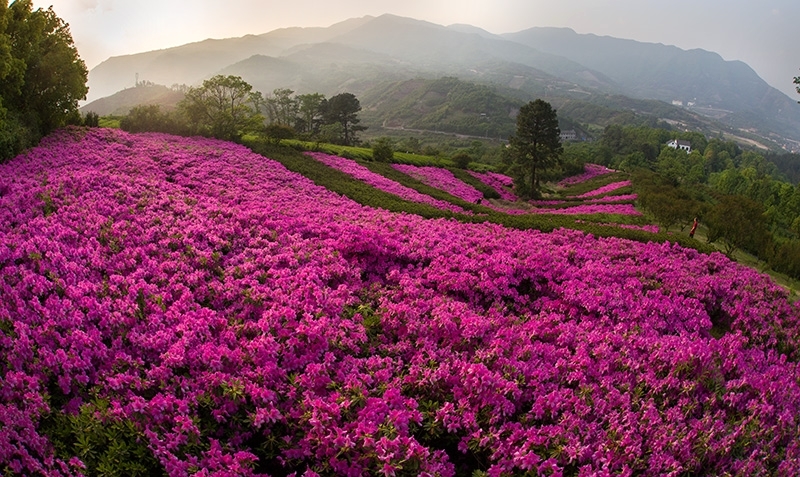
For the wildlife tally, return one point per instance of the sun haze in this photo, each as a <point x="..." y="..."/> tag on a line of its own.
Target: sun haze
<point x="758" y="33"/>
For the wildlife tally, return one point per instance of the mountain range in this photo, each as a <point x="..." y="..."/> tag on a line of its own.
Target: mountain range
<point x="370" y="56"/>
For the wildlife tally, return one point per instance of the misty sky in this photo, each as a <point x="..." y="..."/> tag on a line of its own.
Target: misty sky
<point x="758" y="32"/>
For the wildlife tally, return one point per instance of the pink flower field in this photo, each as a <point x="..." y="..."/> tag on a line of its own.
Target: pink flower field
<point x="441" y="179"/>
<point x="236" y="319"/>
<point x="499" y="182"/>
<point x="605" y="189"/>
<point x="590" y="171"/>
<point x="360" y="172"/>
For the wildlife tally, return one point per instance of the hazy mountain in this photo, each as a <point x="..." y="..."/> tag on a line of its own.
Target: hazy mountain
<point x="120" y="103"/>
<point x="192" y="63"/>
<point x="360" y="54"/>
<point x="699" y="79"/>
<point x="435" y="48"/>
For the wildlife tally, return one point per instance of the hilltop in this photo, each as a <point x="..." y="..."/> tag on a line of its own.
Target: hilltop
<point x="120" y="103"/>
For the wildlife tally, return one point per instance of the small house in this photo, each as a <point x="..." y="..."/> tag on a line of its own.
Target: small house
<point x="569" y="135"/>
<point x="680" y="144"/>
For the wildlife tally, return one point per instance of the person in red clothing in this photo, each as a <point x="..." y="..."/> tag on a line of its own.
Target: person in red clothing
<point x="694" y="228"/>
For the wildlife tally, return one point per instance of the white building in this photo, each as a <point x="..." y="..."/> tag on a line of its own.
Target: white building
<point x="569" y="135"/>
<point x="680" y="144"/>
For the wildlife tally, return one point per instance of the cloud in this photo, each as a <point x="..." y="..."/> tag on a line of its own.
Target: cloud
<point x="93" y="5"/>
<point x="87" y="4"/>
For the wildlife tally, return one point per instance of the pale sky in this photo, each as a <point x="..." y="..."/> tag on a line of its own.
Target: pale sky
<point x="762" y="33"/>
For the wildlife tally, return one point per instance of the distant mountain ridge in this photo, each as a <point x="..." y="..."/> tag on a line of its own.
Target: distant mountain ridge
<point x="730" y="90"/>
<point x="364" y="53"/>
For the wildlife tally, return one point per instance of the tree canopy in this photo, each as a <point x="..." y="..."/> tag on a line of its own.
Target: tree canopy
<point x="740" y="222"/>
<point x="223" y="107"/>
<point x="343" y="109"/>
<point x="797" y="82"/>
<point x="42" y="78"/>
<point x="535" y="146"/>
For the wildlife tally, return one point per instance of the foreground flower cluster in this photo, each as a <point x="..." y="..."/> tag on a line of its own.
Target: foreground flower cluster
<point x="244" y="321"/>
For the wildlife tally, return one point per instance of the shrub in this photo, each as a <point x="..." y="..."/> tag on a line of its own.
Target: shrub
<point x="383" y="150"/>
<point x="91" y="119"/>
<point x="461" y="160"/>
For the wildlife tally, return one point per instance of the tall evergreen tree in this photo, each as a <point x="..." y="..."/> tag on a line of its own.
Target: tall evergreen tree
<point x="536" y="145"/>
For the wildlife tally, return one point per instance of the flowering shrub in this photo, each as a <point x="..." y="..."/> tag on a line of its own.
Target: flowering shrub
<point x="501" y="183"/>
<point x="237" y="319"/>
<point x="352" y="168"/>
<point x="605" y="189"/>
<point x="590" y="172"/>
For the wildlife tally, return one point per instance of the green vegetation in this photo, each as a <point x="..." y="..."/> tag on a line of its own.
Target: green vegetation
<point x="342" y="183"/>
<point x="226" y="107"/>
<point x="222" y="107"/>
<point x="744" y="201"/>
<point x="535" y="147"/>
<point x="342" y="110"/>
<point x="446" y="105"/>
<point x="42" y="78"/>
<point x="149" y="117"/>
<point x="383" y="150"/>
<point x="105" y="444"/>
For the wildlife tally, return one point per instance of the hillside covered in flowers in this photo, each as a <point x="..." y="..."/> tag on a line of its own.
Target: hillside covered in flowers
<point x="171" y="306"/>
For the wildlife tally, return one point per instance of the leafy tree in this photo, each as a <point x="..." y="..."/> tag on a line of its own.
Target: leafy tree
<point x="309" y="112"/>
<point x="536" y="145"/>
<point x="729" y="181"/>
<point x="462" y="160"/>
<point x="42" y="78"/>
<point x="343" y="109"/>
<point x="740" y="223"/>
<point x="410" y="144"/>
<point x="679" y="167"/>
<point x="91" y="119"/>
<point x="222" y="107"/>
<point x="476" y="149"/>
<point x="282" y="107"/>
<point x="670" y="205"/>
<point x="259" y="103"/>
<point x="149" y="117"/>
<point x="330" y="133"/>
